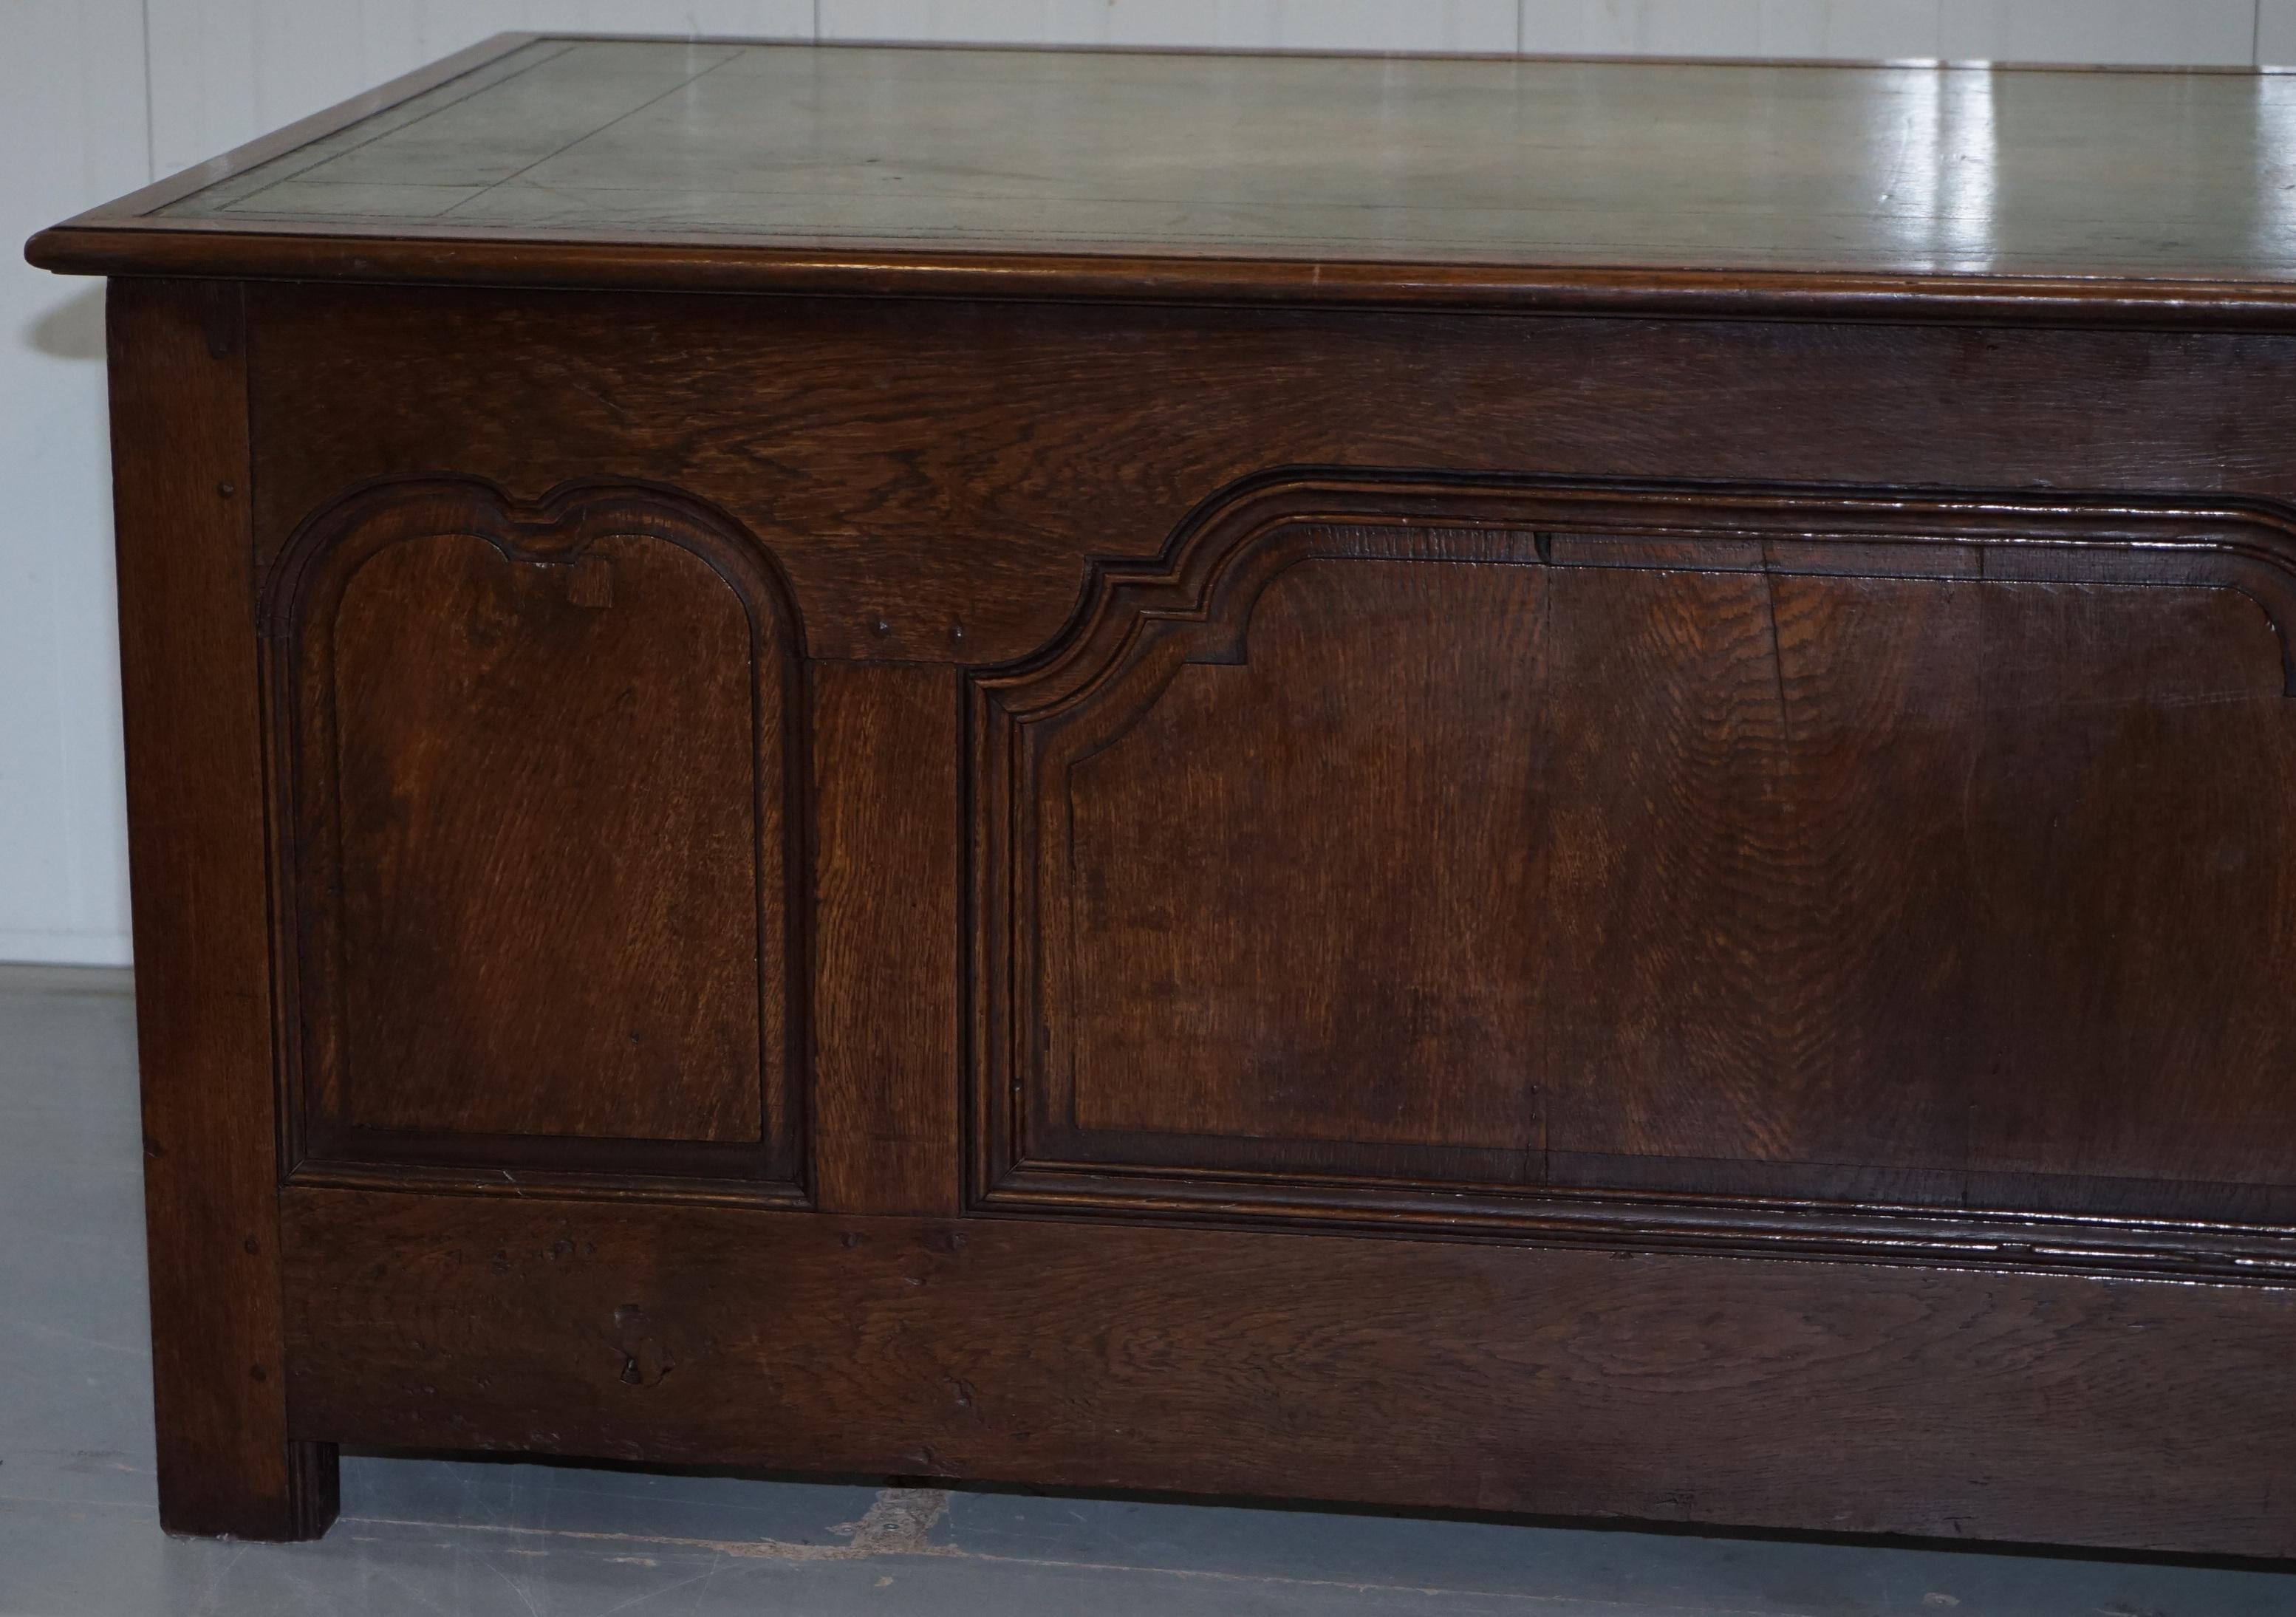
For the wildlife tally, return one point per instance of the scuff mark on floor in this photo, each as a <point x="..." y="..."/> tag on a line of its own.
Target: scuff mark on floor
<point x="896" y="1523"/>
<point x="898" y="1520"/>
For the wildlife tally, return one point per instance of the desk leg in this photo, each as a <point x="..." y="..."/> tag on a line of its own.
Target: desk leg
<point x="204" y="1000"/>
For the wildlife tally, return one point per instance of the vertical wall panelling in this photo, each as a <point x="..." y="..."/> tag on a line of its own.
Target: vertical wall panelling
<point x="71" y="106"/>
<point x="1364" y="24"/>
<point x="1846" y="28"/>
<point x="2185" y="33"/>
<point x="226" y="70"/>
<point x="2276" y="32"/>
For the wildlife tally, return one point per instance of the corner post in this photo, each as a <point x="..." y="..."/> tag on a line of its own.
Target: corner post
<point x="196" y="796"/>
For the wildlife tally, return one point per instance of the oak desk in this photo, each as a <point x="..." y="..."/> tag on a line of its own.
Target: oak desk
<point x="1534" y="786"/>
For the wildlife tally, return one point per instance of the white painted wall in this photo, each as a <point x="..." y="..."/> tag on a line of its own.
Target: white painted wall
<point x="98" y="97"/>
<point x="72" y="109"/>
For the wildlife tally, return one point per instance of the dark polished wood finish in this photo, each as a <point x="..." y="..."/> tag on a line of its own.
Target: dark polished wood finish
<point x="888" y="828"/>
<point x="1653" y="1387"/>
<point x="1829" y="790"/>
<point x="563" y="740"/>
<point x="1446" y="833"/>
<point x="206" y="1018"/>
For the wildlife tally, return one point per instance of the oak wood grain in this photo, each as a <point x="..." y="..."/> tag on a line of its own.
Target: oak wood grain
<point x="886" y="935"/>
<point x="542" y="787"/>
<point x="1534" y="848"/>
<point x="1680" y="1389"/>
<point x="547" y="812"/>
<point x="943" y="506"/>
<point x="2178" y="862"/>
<point x="196" y="847"/>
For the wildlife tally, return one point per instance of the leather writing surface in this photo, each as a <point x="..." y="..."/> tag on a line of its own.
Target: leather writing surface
<point x="1906" y="169"/>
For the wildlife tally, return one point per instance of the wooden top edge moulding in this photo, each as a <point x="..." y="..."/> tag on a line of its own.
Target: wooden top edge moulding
<point x="1891" y="191"/>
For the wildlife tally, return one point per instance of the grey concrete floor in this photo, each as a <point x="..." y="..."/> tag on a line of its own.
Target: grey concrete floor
<point x="78" y="1531"/>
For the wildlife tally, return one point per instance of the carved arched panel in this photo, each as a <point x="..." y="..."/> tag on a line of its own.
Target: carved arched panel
<point x="539" y="770"/>
<point x="1494" y="853"/>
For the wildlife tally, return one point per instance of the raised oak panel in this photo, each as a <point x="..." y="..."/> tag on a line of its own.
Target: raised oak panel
<point x="1487" y="854"/>
<point x="1232" y="923"/>
<point x="539" y="811"/>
